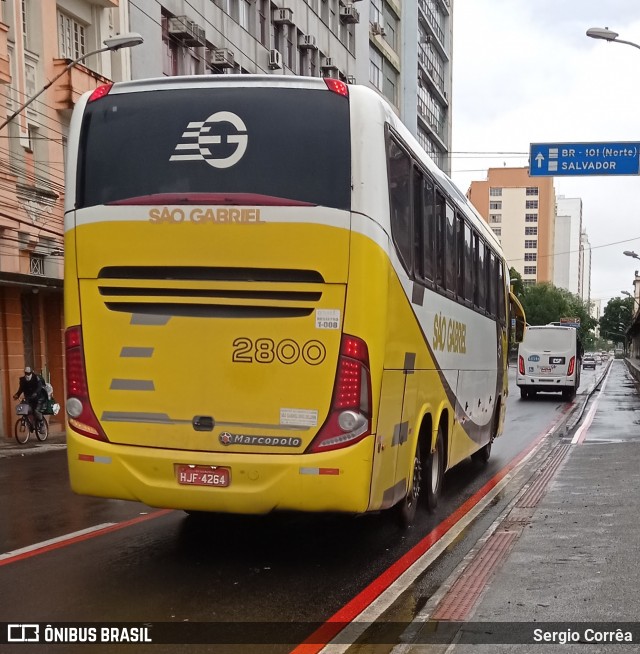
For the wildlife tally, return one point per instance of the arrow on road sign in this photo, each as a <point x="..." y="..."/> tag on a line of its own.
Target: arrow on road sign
<point x="539" y="159"/>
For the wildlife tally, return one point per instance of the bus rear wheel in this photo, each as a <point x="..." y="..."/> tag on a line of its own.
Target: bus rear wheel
<point x="405" y="510"/>
<point x="482" y="455"/>
<point x="434" y="472"/>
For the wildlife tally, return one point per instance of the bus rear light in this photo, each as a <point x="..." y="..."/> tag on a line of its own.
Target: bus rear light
<point x="572" y="365"/>
<point x="521" y="365"/>
<point x="337" y="86"/>
<point x="100" y="92"/>
<point x="349" y="417"/>
<point x="79" y="411"/>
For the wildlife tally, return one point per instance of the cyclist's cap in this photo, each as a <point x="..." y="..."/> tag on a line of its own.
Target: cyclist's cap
<point x="27" y="370"/>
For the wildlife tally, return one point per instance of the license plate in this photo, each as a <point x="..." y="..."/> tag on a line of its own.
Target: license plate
<point x="203" y="475"/>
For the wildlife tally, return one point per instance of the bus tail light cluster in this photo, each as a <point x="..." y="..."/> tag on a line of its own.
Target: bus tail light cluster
<point x="79" y="411"/>
<point x="572" y="366"/>
<point x="521" y="365"/>
<point x="349" y="419"/>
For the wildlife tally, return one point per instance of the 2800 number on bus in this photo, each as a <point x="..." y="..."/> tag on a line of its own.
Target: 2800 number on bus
<point x="287" y="351"/>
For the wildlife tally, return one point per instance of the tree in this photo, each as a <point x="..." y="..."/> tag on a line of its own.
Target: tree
<point x="516" y="282"/>
<point x="545" y="303"/>
<point x="616" y="319"/>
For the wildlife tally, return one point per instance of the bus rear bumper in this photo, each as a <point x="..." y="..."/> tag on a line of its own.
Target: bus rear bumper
<point x="339" y="480"/>
<point x="549" y="384"/>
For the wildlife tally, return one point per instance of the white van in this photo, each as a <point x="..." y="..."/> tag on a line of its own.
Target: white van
<point x="549" y="360"/>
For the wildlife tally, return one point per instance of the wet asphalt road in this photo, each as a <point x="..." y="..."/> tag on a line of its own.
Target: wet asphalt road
<point x="281" y="568"/>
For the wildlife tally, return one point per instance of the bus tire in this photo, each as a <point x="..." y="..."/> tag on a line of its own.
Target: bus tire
<point x="434" y="471"/>
<point x="524" y="393"/>
<point x="483" y="454"/>
<point x="405" y="510"/>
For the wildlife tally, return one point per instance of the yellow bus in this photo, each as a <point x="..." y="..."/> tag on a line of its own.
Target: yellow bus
<point x="274" y="300"/>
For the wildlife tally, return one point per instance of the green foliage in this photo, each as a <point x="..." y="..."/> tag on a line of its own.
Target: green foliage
<point x="545" y="303"/>
<point x="616" y="319"/>
<point x="516" y="283"/>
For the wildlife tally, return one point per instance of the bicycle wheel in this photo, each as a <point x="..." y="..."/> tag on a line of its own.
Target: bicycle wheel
<point x="21" y="431"/>
<point x="42" y="431"/>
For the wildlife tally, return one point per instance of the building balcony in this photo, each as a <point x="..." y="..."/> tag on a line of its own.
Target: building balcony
<point x="5" y="69"/>
<point x="77" y="80"/>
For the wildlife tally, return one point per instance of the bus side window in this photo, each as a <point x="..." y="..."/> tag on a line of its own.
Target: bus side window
<point x="450" y="251"/>
<point x="502" y="308"/>
<point x="428" y="228"/>
<point x="481" y="276"/>
<point x="469" y="267"/>
<point x="460" y="256"/>
<point x="439" y="239"/>
<point x="416" y="180"/>
<point x="400" y="203"/>
<point x="491" y="282"/>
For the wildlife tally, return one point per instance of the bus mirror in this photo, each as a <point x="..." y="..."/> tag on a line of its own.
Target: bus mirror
<point x="518" y="320"/>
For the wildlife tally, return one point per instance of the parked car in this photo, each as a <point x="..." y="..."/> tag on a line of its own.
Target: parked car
<point x="588" y="361"/>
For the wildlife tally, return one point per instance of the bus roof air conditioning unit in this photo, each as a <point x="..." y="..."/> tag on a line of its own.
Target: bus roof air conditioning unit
<point x="377" y="29"/>
<point x="283" y="16"/>
<point x="307" y="41"/>
<point x="349" y="14"/>
<point x="187" y="31"/>
<point x="275" y="59"/>
<point x="223" y="58"/>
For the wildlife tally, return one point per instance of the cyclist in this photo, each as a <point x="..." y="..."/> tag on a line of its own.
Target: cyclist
<point x="34" y="392"/>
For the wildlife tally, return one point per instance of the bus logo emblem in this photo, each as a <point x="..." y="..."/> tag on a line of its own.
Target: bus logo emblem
<point x="199" y="141"/>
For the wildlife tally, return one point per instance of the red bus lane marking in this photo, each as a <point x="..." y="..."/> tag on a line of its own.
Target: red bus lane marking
<point x="352" y="609"/>
<point x="63" y="541"/>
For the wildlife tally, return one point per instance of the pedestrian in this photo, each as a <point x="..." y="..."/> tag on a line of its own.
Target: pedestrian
<point x="33" y="390"/>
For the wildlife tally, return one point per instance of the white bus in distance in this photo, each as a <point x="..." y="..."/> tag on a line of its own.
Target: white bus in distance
<point x="549" y="360"/>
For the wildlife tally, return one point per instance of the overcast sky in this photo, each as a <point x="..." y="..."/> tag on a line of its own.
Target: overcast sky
<point x="524" y="72"/>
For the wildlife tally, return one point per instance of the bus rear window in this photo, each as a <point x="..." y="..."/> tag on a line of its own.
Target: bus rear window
<point x="284" y="143"/>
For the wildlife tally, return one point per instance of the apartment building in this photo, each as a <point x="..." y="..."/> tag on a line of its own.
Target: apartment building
<point x="38" y="40"/>
<point x="585" y="268"/>
<point x="521" y="212"/>
<point x="567" y="271"/>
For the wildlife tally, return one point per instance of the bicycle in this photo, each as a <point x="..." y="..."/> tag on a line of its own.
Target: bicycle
<point x="25" y="425"/>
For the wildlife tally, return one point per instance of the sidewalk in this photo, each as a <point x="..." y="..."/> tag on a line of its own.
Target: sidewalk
<point x="567" y="550"/>
<point x="10" y="447"/>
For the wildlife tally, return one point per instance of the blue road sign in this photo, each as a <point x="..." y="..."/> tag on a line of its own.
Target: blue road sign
<point x="572" y="159"/>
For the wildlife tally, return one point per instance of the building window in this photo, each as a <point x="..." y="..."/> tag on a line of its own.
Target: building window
<point x="529" y="270"/>
<point x="530" y="231"/>
<point x="530" y="256"/>
<point x="71" y="37"/>
<point x="531" y="245"/>
<point x="495" y="205"/>
<point x="532" y="204"/>
<point x="375" y="12"/>
<point x="531" y="218"/>
<point x="170" y="49"/>
<point x="244" y="9"/>
<point x="495" y="192"/>
<point x="290" y="50"/>
<point x="375" y="68"/>
<point x="495" y="218"/>
<point x="528" y="282"/>
<point x="497" y="231"/>
<point x="36" y="266"/>
<point x="532" y="190"/>
<point x="263" y="12"/>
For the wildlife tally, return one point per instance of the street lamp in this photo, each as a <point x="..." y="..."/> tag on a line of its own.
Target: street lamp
<point x="113" y="43"/>
<point x="631" y="253"/>
<point x="608" y="35"/>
